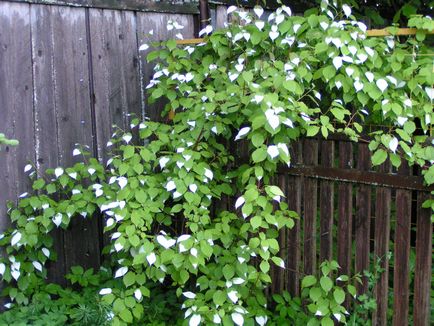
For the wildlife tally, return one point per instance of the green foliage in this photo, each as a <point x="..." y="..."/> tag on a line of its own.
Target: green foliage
<point x="6" y="141"/>
<point x="164" y="201"/>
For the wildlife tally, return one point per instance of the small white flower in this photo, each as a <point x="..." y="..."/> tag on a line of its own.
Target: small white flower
<point x="273" y="33"/>
<point x="259" y="24"/>
<point x="91" y="171"/>
<point x="118" y="246"/>
<point x="170" y="185"/>
<point x="37" y="265"/>
<point x="143" y="47"/>
<point x="231" y="9"/>
<point x="151" y="258"/>
<point x="261" y="320"/>
<point x="189" y="295"/>
<point x="121" y="271"/>
<point x="393" y="144"/>
<point x="192" y="187"/>
<point x="138" y="294"/>
<point x="258" y="10"/>
<point x="273" y="151"/>
<point x="237" y="318"/>
<point x="16" y="239"/>
<point x="163" y="161"/>
<point x="430" y="92"/>
<point x="46" y="252"/>
<point x="2" y="268"/>
<point x="105" y="291"/>
<point x="58" y="172"/>
<point x="243" y="131"/>
<point x="208" y="173"/>
<point x="347" y="10"/>
<point x="27" y="168"/>
<point x="337" y="62"/>
<point x="206" y="31"/>
<point x="166" y="243"/>
<point x="57" y="219"/>
<point x="127" y="138"/>
<point x="233" y="296"/>
<point x="240" y="201"/>
<point x="381" y="84"/>
<point x="194" y="320"/>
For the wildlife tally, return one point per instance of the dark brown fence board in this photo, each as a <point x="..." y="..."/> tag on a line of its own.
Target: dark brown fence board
<point x="115" y="72"/>
<point x="294" y="235"/>
<point x="158" y="24"/>
<point x="310" y="157"/>
<point x="362" y="218"/>
<point x="423" y="277"/>
<point x="326" y="203"/>
<point x="382" y="239"/>
<point x="16" y="100"/>
<point x="401" y="272"/>
<point x="71" y="80"/>
<point x="345" y="211"/>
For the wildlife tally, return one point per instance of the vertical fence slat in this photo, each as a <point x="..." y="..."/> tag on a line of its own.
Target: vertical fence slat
<point x="401" y="289"/>
<point x="381" y="249"/>
<point x="345" y="211"/>
<point x="46" y="131"/>
<point x="221" y="16"/>
<point x="293" y="253"/>
<point x="310" y="208"/>
<point x="422" y="280"/>
<point x="71" y="84"/>
<point x="16" y="101"/>
<point x="326" y="203"/>
<point x="115" y="71"/>
<point x="362" y="219"/>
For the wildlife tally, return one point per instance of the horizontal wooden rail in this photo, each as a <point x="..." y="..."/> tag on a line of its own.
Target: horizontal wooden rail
<point x="356" y="176"/>
<point x="133" y="5"/>
<point x="370" y="33"/>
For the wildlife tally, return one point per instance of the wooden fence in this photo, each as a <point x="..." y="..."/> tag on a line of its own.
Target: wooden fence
<point x="67" y="73"/>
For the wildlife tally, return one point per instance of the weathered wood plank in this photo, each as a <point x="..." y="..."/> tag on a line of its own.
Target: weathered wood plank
<point x="16" y="101"/>
<point x="326" y="204"/>
<point x="310" y="150"/>
<point x="423" y="277"/>
<point x="401" y="273"/>
<point x="362" y="219"/>
<point x="185" y="7"/>
<point x="221" y="17"/>
<point x="381" y="249"/>
<point x="74" y="119"/>
<point x="157" y="24"/>
<point x="46" y="131"/>
<point x="293" y="253"/>
<point x="345" y="211"/>
<point x="115" y="72"/>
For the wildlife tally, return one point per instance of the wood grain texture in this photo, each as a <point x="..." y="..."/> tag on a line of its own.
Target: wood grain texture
<point x="184" y="7"/>
<point x="345" y="211"/>
<point x="381" y="249"/>
<point x="401" y="275"/>
<point x="362" y="219"/>
<point x="115" y="76"/>
<point x="310" y="157"/>
<point x="423" y="276"/>
<point x="326" y="204"/>
<point x="157" y="24"/>
<point x="74" y="120"/>
<point x="16" y="102"/>
<point x="293" y="193"/>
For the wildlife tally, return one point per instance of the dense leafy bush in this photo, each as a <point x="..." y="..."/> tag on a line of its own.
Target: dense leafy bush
<point x="167" y="202"/>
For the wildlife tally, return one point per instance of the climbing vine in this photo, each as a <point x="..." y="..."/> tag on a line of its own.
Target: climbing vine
<point x="184" y="206"/>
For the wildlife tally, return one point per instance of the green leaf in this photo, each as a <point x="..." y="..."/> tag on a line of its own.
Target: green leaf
<point x="259" y="155"/>
<point x="379" y="157"/>
<point x="326" y="321"/>
<point x="256" y="222"/>
<point x="339" y="295"/>
<point x="219" y="297"/>
<point x="228" y="272"/>
<point x="326" y="283"/>
<point x="126" y="315"/>
<point x="308" y="281"/>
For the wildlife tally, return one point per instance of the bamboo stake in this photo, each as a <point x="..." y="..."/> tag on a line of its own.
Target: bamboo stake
<point x="369" y="33"/>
